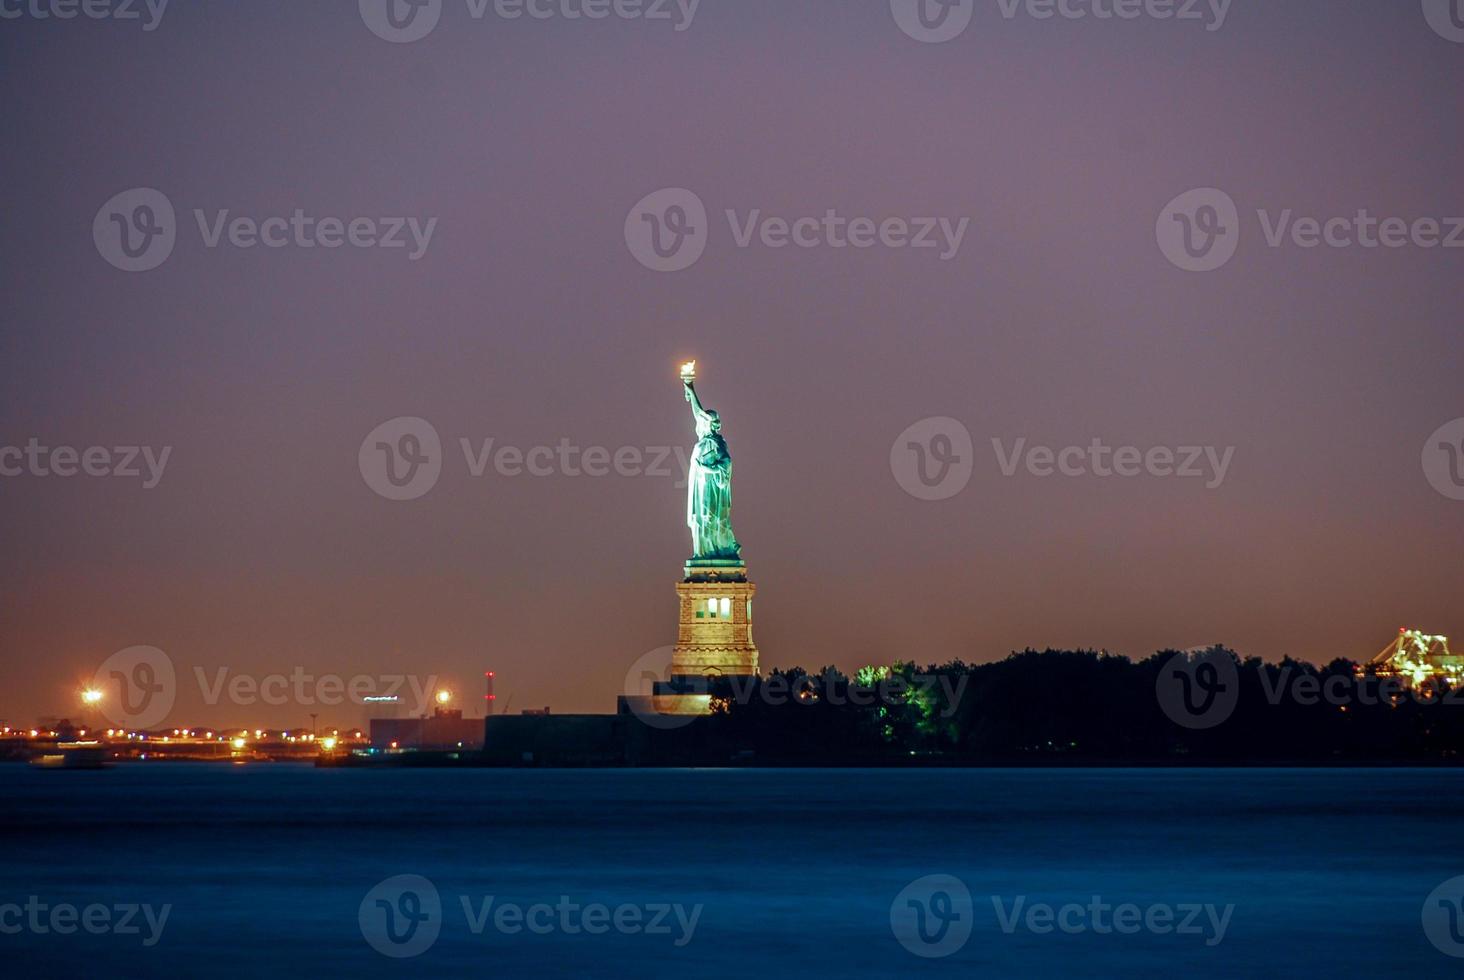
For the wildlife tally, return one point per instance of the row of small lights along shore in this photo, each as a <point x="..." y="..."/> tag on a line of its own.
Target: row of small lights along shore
<point x="92" y="696"/>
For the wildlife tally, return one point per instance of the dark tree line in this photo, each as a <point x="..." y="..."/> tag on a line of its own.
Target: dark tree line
<point x="1077" y="707"/>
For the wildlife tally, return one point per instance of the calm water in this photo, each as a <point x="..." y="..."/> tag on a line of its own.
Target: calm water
<point x="266" y="867"/>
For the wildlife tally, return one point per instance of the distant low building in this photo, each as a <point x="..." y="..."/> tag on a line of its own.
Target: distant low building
<point x="445" y="728"/>
<point x="538" y="739"/>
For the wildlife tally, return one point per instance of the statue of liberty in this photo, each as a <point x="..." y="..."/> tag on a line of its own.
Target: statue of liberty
<point x="709" y="486"/>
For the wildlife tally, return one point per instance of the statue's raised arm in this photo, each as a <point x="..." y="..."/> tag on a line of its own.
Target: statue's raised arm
<point x="699" y="413"/>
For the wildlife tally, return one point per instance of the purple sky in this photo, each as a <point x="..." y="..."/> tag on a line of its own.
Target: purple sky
<point x="529" y="321"/>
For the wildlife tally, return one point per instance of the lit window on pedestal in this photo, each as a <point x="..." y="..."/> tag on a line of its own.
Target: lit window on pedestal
<point x="726" y="608"/>
<point x="712" y="608"/>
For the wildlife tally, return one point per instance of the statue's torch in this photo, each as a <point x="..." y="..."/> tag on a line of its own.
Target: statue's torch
<point x="688" y="372"/>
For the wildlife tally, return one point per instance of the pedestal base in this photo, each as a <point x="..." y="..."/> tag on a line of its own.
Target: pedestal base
<point x="674" y="705"/>
<point x="714" y="635"/>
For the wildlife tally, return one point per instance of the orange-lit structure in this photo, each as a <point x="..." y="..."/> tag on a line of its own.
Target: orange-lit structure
<point x="1418" y="658"/>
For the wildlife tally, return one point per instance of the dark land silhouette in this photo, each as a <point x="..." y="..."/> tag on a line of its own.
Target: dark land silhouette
<point x="1073" y="707"/>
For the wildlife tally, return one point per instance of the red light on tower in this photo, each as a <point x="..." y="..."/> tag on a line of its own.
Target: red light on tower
<point x="488" y="696"/>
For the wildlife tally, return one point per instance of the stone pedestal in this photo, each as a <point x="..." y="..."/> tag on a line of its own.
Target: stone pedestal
<point x="713" y="636"/>
<point x="714" y="633"/>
